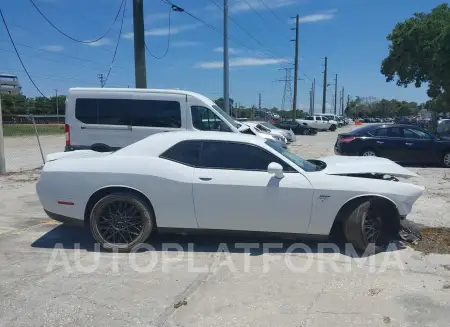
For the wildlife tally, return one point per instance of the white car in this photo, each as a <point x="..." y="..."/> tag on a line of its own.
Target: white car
<point x="288" y="134"/>
<point x="261" y="131"/>
<point x="209" y="181"/>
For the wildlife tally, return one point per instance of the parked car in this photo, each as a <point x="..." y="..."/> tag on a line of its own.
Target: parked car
<point x="333" y="119"/>
<point x="318" y="122"/>
<point x="105" y="119"/>
<point x="398" y="142"/>
<point x="296" y="127"/>
<point x="289" y="135"/>
<point x="263" y="132"/>
<point x="443" y="127"/>
<point x="209" y="181"/>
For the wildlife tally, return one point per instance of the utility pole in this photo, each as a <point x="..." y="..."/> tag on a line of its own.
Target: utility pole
<point x="314" y="97"/>
<point x="324" y="96"/>
<point x="140" y="69"/>
<point x="335" y="94"/>
<point x="57" y="107"/>
<point x="342" y="105"/>
<point x="226" y="62"/>
<point x="101" y="78"/>
<point x="294" y="101"/>
<point x="2" y="144"/>
<point x="310" y="102"/>
<point x="259" y="101"/>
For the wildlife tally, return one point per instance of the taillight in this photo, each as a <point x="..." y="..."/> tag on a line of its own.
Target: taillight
<point x="346" y="139"/>
<point x="67" y="132"/>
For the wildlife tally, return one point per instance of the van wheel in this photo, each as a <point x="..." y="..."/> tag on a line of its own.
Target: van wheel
<point x="100" y="148"/>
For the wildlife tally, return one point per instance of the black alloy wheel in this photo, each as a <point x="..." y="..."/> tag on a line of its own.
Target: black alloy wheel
<point x="121" y="221"/>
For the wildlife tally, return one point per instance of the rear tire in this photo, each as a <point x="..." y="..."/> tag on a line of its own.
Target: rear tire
<point x="446" y="159"/>
<point x="333" y="127"/>
<point x="369" y="227"/>
<point x="368" y="152"/>
<point x="121" y="221"/>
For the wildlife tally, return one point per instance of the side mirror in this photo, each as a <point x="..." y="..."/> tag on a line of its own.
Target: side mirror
<point x="275" y="169"/>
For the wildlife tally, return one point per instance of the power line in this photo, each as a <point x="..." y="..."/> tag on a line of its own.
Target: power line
<point x="179" y="9"/>
<point x="117" y="44"/>
<point x="270" y="9"/>
<point x="34" y="56"/>
<point x="18" y="55"/>
<point x="244" y="29"/>
<point x="168" y="40"/>
<point x="260" y="16"/>
<point x="72" y="38"/>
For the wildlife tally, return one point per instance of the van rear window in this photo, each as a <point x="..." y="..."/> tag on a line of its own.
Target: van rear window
<point x="147" y="113"/>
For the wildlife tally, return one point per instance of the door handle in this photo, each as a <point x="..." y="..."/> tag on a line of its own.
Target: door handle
<point x="408" y="143"/>
<point x="380" y="142"/>
<point x="205" y="178"/>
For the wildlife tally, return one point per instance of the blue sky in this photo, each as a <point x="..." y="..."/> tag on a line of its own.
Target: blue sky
<point x="352" y="33"/>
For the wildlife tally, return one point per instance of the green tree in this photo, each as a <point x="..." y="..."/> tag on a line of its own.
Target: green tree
<point x="419" y="52"/>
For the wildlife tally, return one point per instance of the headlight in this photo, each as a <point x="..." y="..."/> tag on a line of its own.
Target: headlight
<point x="276" y="137"/>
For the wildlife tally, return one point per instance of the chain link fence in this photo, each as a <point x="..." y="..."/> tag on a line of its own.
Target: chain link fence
<point x="28" y="140"/>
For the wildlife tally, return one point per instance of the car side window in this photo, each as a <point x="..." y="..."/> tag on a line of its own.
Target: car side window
<point x="309" y="118"/>
<point x="394" y="132"/>
<point x="184" y="152"/>
<point x="237" y="156"/>
<point x="381" y="132"/>
<point x="412" y="133"/>
<point x="205" y="119"/>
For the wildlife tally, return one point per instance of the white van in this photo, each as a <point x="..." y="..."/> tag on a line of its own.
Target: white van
<point x="106" y="119"/>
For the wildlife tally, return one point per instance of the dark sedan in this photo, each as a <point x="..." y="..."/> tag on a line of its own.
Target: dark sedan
<point x="398" y="142"/>
<point x="297" y="128"/>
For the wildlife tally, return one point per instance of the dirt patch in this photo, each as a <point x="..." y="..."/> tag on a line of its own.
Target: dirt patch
<point x="434" y="240"/>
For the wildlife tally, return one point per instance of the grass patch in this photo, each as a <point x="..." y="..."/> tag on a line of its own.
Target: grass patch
<point x="434" y="240"/>
<point x="27" y="130"/>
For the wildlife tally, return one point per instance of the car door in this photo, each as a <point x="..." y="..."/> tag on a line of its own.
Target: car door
<point x="394" y="144"/>
<point x="233" y="191"/>
<point x="419" y="146"/>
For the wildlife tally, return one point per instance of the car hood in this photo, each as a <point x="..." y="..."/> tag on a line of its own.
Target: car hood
<point x="342" y="165"/>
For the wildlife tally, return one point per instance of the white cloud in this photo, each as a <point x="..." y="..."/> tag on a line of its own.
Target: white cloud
<point x="164" y="31"/>
<point x="53" y="48"/>
<point x="240" y="6"/>
<point x="230" y="50"/>
<point x="184" y="44"/>
<point x="242" y="62"/>
<point x="314" y="18"/>
<point x="100" y="43"/>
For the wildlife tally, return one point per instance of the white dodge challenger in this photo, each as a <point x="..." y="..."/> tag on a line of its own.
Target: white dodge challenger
<point x="211" y="181"/>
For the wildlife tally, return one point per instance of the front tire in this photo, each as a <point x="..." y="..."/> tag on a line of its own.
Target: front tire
<point x="368" y="228"/>
<point x="121" y="221"/>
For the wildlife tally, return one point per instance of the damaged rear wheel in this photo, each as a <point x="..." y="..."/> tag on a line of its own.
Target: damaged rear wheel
<point x="371" y="225"/>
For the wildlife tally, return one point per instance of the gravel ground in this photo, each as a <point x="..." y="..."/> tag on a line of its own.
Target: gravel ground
<point x="51" y="274"/>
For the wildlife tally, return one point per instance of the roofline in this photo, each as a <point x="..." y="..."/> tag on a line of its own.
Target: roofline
<point x="125" y="89"/>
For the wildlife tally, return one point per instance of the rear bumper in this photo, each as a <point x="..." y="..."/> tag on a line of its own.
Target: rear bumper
<point x="343" y="152"/>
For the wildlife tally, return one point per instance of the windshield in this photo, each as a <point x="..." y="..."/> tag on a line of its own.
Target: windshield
<point x="268" y="125"/>
<point x="302" y="163"/>
<point x="226" y="116"/>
